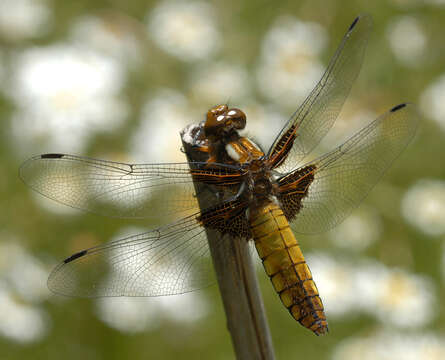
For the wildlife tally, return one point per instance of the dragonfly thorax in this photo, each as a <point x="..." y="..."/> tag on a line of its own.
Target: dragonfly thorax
<point x="261" y="186"/>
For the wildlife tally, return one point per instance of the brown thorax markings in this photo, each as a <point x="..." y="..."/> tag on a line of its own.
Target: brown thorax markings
<point x="224" y="145"/>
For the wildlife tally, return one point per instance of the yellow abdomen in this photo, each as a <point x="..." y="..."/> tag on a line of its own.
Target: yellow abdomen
<point x="285" y="265"/>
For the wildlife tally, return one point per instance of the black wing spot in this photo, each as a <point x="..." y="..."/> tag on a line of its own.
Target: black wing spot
<point x="398" y="107"/>
<point x="52" y="156"/>
<point x="75" y="256"/>
<point x="354" y="23"/>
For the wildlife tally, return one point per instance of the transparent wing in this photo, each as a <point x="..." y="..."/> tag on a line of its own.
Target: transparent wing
<point x="313" y="119"/>
<point x="319" y="195"/>
<point x="170" y="260"/>
<point x="121" y="190"/>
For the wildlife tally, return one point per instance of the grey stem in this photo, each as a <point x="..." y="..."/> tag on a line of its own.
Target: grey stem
<point x="243" y="305"/>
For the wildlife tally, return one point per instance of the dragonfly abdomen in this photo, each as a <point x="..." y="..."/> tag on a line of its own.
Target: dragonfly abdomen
<point x="285" y="265"/>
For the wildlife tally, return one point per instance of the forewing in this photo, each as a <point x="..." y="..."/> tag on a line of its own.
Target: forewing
<point x="319" y="195"/>
<point x="166" y="261"/>
<point x="313" y="119"/>
<point x="123" y="190"/>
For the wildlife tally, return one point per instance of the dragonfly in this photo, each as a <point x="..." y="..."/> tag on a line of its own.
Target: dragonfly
<point x="265" y="196"/>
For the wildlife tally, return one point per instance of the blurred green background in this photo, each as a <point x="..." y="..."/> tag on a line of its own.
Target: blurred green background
<point x="119" y="79"/>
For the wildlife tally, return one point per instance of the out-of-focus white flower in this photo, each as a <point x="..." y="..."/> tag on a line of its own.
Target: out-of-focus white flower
<point x="24" y="273"/>
<point x="172" y="307"/>
<point x="20" y="322"/>
<point x="366" y="277"/>
<point x="353" y="349"/>
<point x="134" y="315"/>
<point x="157" y="139"/>
<point x="335" y="282"/>
<point x="22" y="285"/>
<point x="432" y="101"/>
<point x="64" y="95"/>
<point x="424" y="206"/>
<point x="21" y="19"/>
<point x="387" y="345"/>
<point x="395" y="297"/>
<point x="407" y="40"/>
<point x="404" y="300"/>
<point x="358" y="231"/>
<point x="110" y="35"/>
<point x="185" y="29"/>
<point x="289" y="66"/>
<point x="126" y="314"/>
<point x="217" y="83"/>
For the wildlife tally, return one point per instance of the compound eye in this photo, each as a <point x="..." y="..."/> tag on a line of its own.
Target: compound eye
<point x="216" y="120"/>
<point x="218" y="110"/>
<point x="237" y="117"/>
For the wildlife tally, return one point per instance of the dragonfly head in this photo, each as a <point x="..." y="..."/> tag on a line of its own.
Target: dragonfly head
<point x="222" y="121"/>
